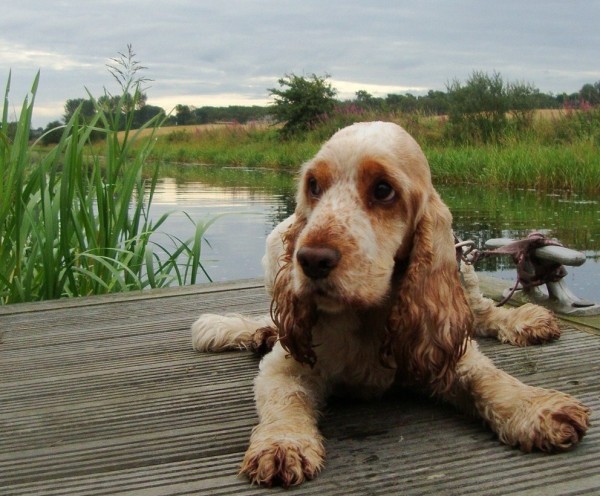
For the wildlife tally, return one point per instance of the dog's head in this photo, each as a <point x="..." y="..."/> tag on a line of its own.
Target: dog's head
<point x="370" y="231"/>
<point x="359" y="200"/>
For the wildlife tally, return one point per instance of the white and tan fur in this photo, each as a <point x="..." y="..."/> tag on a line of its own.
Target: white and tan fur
<point x="366" y="295"/>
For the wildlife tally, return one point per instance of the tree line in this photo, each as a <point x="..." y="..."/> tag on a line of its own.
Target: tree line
<point x="484" y="108"/>
<point x="479" y="106"/>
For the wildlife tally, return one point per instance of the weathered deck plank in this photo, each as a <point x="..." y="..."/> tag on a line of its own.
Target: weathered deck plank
<point x="105" y="396"/>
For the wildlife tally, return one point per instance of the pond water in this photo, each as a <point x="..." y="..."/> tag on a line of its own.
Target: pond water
<point x="250" y="202"/>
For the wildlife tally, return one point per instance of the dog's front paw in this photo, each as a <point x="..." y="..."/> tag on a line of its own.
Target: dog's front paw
<point x="531" y="324"/>
<point x="552" y="422"/>
<point x="287" y="462"/>
<point x="264" y="339"/>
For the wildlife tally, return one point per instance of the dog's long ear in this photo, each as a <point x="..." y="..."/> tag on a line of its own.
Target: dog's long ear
<point x="293" y="316"/>
<point x="430" y="320"/>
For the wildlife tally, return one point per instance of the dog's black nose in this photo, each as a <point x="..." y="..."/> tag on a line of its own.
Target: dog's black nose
<point x="317" y="262"/>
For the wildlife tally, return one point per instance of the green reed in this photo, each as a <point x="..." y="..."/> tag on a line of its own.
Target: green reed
<point x="74" y="218"/>
<point x="571" y="166"/>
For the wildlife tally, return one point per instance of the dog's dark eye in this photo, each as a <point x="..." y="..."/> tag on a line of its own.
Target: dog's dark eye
<point x="383" y="192"/>
<point x="313" y="188"/>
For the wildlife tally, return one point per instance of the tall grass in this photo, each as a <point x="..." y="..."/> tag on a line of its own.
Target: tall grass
<point x="74" y="219"/>
<point x="567" y="167"/>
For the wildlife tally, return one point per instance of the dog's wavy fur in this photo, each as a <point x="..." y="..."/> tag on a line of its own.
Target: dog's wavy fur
<point x="366" y="293"/>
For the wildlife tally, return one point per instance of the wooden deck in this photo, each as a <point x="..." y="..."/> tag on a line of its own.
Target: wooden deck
<point x="105" y="395"/>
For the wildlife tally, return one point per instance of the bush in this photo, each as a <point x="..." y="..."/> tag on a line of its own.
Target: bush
<point x="477" y="110"/>
<point x="301" y="103"/>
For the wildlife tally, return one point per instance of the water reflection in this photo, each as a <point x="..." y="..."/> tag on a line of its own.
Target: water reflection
<point x="234" y="244"/>
<point x="254" y="202"/>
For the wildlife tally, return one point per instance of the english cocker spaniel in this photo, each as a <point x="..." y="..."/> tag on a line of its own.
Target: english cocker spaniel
<point x="366" y="294"/>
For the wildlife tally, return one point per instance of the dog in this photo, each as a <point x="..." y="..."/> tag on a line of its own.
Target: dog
<point x="366" y="294"/>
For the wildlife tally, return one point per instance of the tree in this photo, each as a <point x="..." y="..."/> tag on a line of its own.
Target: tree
<point x="302" y="102"/>
<point x="144" y="114"/>
<point x="184" y="115"/>
<point x="590" y="93"/>
<point x="52" y="133"/>
<point x="88" y="110"/>
<point x="402" y="103"/>
<point x="477" y="110"/>
<point x="434" y="103"/>
<point x="523" y="99"/>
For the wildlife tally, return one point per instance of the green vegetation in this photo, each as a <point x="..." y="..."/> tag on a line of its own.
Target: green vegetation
<point x="74" y="202"/>
<point x="485" y="130"/>
<point x="570" y="167"/>
<point x="234" y="144"/>
<point x="518" y="97"/>
<point x="492" y="132"/>
<point x="556" y="152"/>
<point x="73" y="218"/>
<point x="185" y="115"/>
<point x="302" y="103"/>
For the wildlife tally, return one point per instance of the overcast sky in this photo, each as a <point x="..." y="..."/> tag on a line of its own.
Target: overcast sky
<point x="231" y="51"/>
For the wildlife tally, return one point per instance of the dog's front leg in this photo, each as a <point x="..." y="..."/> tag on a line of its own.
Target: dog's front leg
<point x="525" y="416"/>
<point x="213" y="332"/>
<point x="285" y="447"/>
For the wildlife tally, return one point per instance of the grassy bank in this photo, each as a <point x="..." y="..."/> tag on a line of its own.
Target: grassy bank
<point x="248" y="145"/>
<point x="557" y="151"/>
